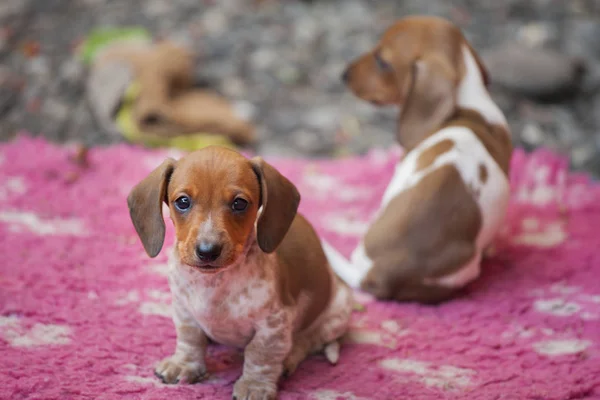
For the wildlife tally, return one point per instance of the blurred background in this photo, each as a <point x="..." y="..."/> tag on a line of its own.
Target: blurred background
<point x="279" y="63"/>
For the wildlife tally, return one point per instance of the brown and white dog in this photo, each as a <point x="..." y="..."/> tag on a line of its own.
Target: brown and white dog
<point x="448" y="196"/>
<point x="246" y="270"/>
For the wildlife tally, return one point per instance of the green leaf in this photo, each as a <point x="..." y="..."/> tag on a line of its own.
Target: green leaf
<point x="100" y="38"/>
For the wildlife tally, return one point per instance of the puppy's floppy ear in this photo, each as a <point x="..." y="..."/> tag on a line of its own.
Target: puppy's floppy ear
<point x="145" y="207"/>
<point x="431" y="99"/>
<point x="280" y="200"/>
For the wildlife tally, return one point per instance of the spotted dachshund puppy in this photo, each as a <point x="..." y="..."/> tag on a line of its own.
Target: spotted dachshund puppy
<point x="246" y="269"/>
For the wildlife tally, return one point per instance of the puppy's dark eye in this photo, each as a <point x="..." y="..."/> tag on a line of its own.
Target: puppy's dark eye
<point x="183" y="203"/>
<point x="239" y="204"/>
<point x="383" y="65"/>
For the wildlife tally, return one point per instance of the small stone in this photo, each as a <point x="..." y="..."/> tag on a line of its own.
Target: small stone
<point x="214" y="21"/>
<point x="3" y="42"/>
<point x="156" y="8"/>
<point x="71" y="70"/>
<point x="596" y="110"/>
<point x="234" y="87"/>
<point x="10" y="8"/>
<point x="289" y="74"/>
<point x="306" y="29"/>
<point x="534" y="72"/>
<point x="581" y="155"/>
<point x="324" y="118"/>
<point x="263" y="58"/>
<point x="55" y="109"/>
<point x="536" y="34"/>
<point x="582" y="37"/>
<point x="244" y="109"/>
<point x="30" y="49"/>
<point x="182" y="38"/>
<point x="311" y="142"/>
<point x="39" y="67"/>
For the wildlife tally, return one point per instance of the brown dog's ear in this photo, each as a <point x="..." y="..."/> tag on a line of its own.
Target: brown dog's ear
<point x="280" y="200"/>
<point x="145" y="207"/>
<point x="431" y="99"/>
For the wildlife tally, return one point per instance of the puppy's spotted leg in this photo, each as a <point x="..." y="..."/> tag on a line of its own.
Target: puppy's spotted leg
<point x="186" y="365"/>
<point x="263" y="359"/>
<point x="299" y="352"/>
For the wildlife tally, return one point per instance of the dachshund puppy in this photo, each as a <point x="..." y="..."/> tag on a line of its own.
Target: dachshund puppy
<point x="448" y="196"/>
<point x="246" y="270"/>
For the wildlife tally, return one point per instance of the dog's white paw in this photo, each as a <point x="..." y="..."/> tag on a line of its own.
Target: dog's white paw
<point x="246" y="389"/>
<point x="174" y="370"/>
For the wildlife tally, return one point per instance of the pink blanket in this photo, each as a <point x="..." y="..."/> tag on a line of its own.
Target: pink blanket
<point x="84" y="313"/>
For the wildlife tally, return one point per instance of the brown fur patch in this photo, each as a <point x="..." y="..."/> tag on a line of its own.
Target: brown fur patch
<point x="428" y="156"/>
<point x="495" y="138"/>
<point x="483" y="173"/>
<point x="191" y="335"/>
<point x="427" y="231"/>
<point x="303" y="270"/>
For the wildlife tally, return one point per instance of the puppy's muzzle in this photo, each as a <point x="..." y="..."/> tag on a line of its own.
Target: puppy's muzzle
<point x="208" y="252"/>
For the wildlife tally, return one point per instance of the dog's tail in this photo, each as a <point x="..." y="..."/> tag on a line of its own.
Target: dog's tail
<point x="341" y="266"/>
<point x="332" y="352"/>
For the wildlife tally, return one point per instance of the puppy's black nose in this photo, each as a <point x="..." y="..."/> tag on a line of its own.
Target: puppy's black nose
<point x="208" y="252"/>
<point x="346" y="75"/>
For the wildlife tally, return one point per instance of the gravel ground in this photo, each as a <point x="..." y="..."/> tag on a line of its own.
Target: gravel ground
<point x="281" y="61"/>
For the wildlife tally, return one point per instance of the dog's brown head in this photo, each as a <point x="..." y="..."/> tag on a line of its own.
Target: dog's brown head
<point x="416" y="65"/>
<point x="214" y="196"/>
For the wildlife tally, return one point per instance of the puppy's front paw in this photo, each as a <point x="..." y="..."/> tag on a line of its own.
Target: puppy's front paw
<point x="174" y="370"/>
<point x="246" y="389"/>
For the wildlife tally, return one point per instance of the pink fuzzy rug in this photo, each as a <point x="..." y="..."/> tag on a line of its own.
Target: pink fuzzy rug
<point x="84" y="313"/>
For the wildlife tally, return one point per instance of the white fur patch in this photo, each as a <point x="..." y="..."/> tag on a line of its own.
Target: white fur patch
<point x="206" y="229"/>
<point x="237" y="292"/>
<point x="473" y="94"/>
<point x="361" y="333"/>
<point x="366" y="336"/>
<point x="348" y="271"/>
<point x="259" y="292"/>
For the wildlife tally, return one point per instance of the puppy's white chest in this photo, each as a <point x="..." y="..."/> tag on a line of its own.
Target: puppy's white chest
<point x="225" y="307"/>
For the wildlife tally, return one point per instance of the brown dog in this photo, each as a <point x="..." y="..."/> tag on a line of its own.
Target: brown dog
<point x="168" y="103"/>
<point x="448" y="196"/>
<point x="246" y="270"/>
